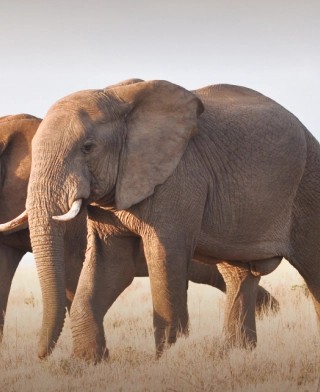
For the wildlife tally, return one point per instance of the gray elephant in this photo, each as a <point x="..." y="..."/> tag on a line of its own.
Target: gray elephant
<point x="222" y="173"/>
<point x="16" y="133"/>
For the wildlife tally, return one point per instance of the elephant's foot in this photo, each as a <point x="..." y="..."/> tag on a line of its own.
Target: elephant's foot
<point x="266" y="304"/>
<point x="90" y="344"/>
<point x="239" y="334"/>
<point x="226" y="346"/>
<point x="163" y="342"/>
<point x="165" y="345"/>
<point x="166" y="337"/>
<point x="1" y="325"/>
<point x="241" y="338"/>
<point x="91" y="354"/>
<point x="45" y="351"/>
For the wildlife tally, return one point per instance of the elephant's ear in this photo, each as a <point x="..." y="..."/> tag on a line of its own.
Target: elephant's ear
<point x="162" y="121"/>
<point x="4" y="142"/>
<point x="5" y="139"/>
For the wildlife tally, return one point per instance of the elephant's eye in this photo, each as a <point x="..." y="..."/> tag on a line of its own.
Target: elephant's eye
<point x="86" y="148"/>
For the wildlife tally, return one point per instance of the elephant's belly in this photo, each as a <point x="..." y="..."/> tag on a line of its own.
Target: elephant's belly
<point x="213" y="248"/>
<point x="254" y="227"/>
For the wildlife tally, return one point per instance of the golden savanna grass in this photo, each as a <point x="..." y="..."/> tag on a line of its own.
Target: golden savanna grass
<point x="287" y="357"/>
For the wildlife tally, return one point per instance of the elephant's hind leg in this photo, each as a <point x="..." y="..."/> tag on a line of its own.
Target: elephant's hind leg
<point x="9" y="261"/>
<point x="307" y="262"/>
<point x="242" y="289"/>
<point x="308" y="265"/>
<point x="266" y="303"/>
<point x="304" y="251"/>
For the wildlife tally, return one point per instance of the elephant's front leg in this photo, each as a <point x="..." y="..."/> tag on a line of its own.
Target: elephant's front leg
<point x="242" y="289"/>
<point x="167" y="267"/>
<point x="107" y="271"/>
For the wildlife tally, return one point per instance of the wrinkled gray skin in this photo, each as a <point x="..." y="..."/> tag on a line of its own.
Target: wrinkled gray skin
<point x="223" y="173"/>
<point x="16" y="133"/>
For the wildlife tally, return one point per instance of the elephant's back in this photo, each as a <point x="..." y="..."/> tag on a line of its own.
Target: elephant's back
<point x="249" y="119"/>
<point x="231" y="101"/>
<point x="232" y="94"/>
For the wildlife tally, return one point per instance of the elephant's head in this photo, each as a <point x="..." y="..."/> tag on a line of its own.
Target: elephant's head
<point x="16" y="133"/>
<point x="111" y="146"/>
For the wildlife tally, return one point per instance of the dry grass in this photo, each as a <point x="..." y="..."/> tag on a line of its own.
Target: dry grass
<point x="286" y="359"/>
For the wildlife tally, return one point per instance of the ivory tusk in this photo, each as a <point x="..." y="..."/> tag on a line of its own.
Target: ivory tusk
<point x="18" y="221"/>
<point x="72" y="213"/>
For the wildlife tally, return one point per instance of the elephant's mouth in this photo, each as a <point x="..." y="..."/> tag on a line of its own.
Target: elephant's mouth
<point x="103" y="198"/>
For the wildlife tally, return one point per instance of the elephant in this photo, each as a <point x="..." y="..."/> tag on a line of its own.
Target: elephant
<point x="222" y="172"/>
<point x="16" y="133"/>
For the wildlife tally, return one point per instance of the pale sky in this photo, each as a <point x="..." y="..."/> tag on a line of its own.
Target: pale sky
<point x="51" y="49"/>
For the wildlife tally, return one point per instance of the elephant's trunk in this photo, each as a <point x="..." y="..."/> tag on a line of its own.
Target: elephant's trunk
<point x="47" y="239"/>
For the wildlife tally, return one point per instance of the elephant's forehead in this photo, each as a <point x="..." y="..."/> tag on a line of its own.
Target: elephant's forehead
<point x="88" y="101"/>
<point x="86" y="106"/>
<point x="59" y="126"/>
